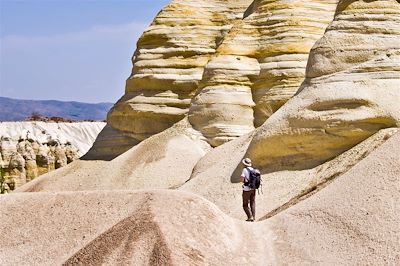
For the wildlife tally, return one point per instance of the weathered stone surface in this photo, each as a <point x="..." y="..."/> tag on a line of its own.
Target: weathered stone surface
<point x="60" y="156"/>
<point x="31" y="170"/>
<point x="215" y="178"/>
<point x="25" y="148"/>
<point x="16" y="171"/>
<point x="262" y="59"/>
<point x="109" y="144"/>
<point x="168" y="64"/>
<point x="7" y="148"/>
<point x="351" y="91"/>
<point x="223" y="110"/>
<point x="30" y="149"/>
<point x="71" y="152"/>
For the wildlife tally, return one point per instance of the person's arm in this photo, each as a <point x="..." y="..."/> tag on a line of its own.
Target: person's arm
<point x="243" y="175"/>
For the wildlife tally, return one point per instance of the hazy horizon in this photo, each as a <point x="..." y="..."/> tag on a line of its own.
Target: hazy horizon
<point x="24" y="99"/>
<point x="70" y="50"/>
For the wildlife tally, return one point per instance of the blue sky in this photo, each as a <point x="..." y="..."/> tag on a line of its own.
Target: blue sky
<point x="70" y="50"/>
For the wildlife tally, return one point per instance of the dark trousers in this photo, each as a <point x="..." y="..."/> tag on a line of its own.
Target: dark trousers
<point x="249" y="197"/>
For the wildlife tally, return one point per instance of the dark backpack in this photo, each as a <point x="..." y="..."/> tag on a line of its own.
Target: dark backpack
<point x="254" y="178"/>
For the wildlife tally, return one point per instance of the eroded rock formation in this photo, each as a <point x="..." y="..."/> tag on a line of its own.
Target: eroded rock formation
<point x="243" y="64"/>
<point x="168" y="64"/>
<point x="24" y="160"/>
<point x="258" y="67"/>
<point x="350" y="91"/>
<point x="30" y="149"/>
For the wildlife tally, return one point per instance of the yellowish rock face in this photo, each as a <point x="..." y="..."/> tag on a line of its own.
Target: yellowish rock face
<point x="260" y="63"/>
<point x="351" y="90"/>
<point x="232" y="63"/>
<point x="223" y="110"/>
<point x="280" y="35"/>
<point x="169" y="62"/>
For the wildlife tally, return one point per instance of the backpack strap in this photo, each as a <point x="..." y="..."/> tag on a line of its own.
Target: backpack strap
<point x="246" y="183"/>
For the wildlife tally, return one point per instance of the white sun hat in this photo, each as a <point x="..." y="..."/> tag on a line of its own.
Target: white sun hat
<point x="246" y="161"/>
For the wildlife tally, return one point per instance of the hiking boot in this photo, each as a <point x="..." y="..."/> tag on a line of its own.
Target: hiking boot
<point x="251" y="219"/>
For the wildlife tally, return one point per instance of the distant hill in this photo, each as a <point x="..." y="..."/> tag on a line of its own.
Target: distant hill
<point x="17" y="110"/>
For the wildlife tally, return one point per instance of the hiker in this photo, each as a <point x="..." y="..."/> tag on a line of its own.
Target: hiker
<point x="249" y="194"/>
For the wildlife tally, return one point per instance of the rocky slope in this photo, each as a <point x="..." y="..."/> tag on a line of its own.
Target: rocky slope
<point x="329" y="156"/>
<point x="30" y="149"/>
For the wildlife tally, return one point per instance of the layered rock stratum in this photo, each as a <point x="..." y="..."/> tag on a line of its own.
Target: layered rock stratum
<point x="30" y="149"/>
<point x="258" y="67"/>
<point x="350" y="91"/>
<point x="307" y="89"/>
<point x="168" y="64"/>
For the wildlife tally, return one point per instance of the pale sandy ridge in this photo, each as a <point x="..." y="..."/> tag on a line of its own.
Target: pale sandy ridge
<point x="352" y="221"/>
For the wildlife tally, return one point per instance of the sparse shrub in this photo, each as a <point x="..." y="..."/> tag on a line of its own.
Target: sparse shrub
<point x="35" y="116"/>
<point x="58" y="119"/>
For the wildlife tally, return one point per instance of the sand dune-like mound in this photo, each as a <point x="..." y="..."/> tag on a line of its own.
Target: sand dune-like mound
<point x="351" y="221"/>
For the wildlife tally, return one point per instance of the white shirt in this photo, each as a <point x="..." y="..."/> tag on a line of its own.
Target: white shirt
<point x="246" y="176"/>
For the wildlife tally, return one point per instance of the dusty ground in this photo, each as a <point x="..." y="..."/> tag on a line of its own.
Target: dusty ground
<point x="351" y="221"/>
